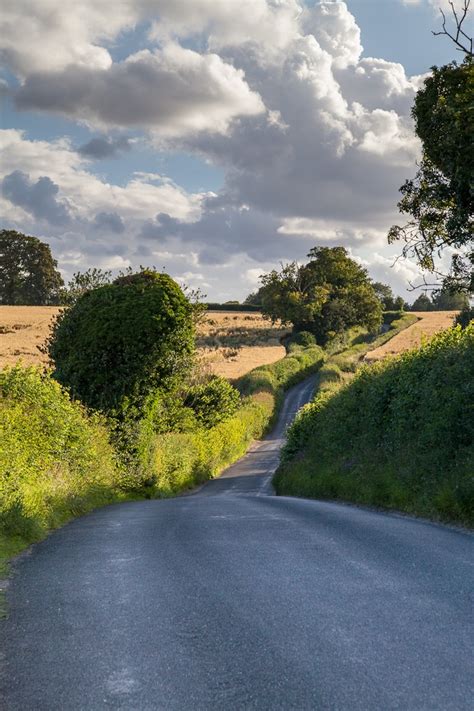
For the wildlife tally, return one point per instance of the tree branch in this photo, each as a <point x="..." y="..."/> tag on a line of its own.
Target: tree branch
<point x="459" y="29"/>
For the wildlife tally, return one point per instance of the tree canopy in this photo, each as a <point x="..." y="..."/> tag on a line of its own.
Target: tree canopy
<point x="440" y="199"/>
<point x="325" y="296"/>
<point x="28" y="274"/>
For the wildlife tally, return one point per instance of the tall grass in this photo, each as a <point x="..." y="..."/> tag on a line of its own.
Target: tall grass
<point x="399" y="434"/>
<point x="56" y="460"/>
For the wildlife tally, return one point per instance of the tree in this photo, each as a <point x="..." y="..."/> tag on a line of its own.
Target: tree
<point x="445" y="300"/>
<point x="121" y="342"/>
<point x="82" y="282"/>
<point x="325" y="296"/>
<point x="28" y="273"/>
<point x="440" y="199"/>
<point x="254" y="299"/>
<point x="386" y="297"/>
<point x="422" y="303"/>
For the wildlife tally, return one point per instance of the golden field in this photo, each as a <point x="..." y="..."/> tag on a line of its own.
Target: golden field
<point x="429" y="323"/>
<point x="230" y="343"/>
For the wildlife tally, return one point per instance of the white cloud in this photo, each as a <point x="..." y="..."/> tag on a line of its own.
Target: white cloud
<point x="314" y="139"/>
<point x="174" y="91"/>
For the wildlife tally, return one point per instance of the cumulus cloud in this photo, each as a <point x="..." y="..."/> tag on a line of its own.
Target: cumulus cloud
<point x="110" y="221"/>
<point x="314" y="138"/>
<point x="173" y="90"/>
<point x="104" y="147"/>
<point x="39" y="198"/>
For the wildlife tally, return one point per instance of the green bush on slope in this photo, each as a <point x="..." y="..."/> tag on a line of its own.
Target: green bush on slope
<point x="400" y="434"/>
<point x="55" y="459"/>
<point x="182" y="460"/>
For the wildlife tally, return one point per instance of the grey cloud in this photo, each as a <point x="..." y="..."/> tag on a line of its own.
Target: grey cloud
<point x="176" y="91"/>
<point x="98" y="148"/>
<point x="109" y="221"/>
<point x="39" y="199"/>
<point x="227" y="231"/>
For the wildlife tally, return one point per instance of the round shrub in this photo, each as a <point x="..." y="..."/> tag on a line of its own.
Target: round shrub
<point x="123" y="340"/>
<point x="213" y="402"/>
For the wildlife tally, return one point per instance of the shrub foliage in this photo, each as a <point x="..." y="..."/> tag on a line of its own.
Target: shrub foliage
<point x="123" y="340"/>
<point x="400" y="434"/>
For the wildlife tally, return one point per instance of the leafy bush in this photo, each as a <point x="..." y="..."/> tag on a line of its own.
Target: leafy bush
<point x="213" y="401"/>
<point x="123" y="340"/>
<point x="55" y="459"/>
<point x="465" y="317"/>
<point x="400" y="434"/>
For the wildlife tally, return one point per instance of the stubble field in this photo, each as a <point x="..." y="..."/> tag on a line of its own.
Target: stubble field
<point x="230" y="343"/>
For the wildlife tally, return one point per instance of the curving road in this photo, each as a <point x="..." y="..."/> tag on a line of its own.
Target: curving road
<point x="235" y="599"/>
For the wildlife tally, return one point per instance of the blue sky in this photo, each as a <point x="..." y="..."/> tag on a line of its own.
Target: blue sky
<point x="226" y="144"/>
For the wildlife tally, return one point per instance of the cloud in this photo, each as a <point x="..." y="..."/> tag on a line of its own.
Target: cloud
<point x="99" y="148"/>
<point x="38" y="198"/>
<point x="174" y="91"/>
<point x="109" y="221"/>
<point x="314" y="139"/>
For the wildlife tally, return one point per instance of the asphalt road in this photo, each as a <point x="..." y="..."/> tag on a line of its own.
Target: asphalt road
<point x="235" y="599"/>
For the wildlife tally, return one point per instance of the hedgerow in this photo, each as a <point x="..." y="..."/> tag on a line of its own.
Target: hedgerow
<point x="180" y="460"/>
<point x="56" y="460"/>
<point x="400" y="434"/>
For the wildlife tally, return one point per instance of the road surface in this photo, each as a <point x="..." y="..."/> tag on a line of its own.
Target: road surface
<point x="236" y="599"/>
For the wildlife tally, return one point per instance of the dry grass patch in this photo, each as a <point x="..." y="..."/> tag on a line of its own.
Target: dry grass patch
<point x="230" y="342"/>
<point x="428" y="325"/>
<point x="23" y="330"/>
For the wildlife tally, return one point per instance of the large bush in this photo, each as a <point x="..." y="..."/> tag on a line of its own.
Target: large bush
<point x="121" y="341"/>
<point x="55" y="460"/>
<point x="400" y="434"/>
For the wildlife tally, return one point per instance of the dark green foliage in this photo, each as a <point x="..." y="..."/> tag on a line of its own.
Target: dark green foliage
<point x="440" y="199"/>
<point x="28" y="274"/>
<point x="124" y="340"/>
<point x="213" y="401"/>
<point x="422" y="303"/>
<point x="400" y="434"/>
<point x="326" y="296"/>
<point x="464" y="318"/>
<point x="302" y="338"/>
<point x="386" y="297"/>
<point x="445" y="300"/>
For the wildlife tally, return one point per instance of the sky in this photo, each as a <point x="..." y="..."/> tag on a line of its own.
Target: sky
<point x="214" y="139"/>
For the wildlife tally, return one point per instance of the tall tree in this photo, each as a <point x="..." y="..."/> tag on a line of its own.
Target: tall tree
<point x="440" y="199"/>
<point x="28" y="273"/>
<point x="325" y="296"/>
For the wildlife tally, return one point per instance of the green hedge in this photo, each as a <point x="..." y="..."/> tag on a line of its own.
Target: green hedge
<point x="400" y="434"/>
<point x="182" y="460"/>
<point x="55" y="460"/>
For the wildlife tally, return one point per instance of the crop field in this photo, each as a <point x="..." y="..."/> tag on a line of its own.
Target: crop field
<point x="230" y="343"/>
<point x="430" y="322"/>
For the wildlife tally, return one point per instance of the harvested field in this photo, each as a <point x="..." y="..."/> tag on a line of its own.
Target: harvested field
<point x="231" y="343"/>
<point x="429" y="323"/>
<point x="23" y="329"/>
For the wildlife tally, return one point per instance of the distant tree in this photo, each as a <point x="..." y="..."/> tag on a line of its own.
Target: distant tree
<point x="384" y="294"/>
<point x="325" y="296"/>
<point x="83" y="282"/>
<point x="254" y="298"/>
<point x="422" y="303"/>
<point x="440" y="199"/>
<point x="28" y="273"/>
<point x="388" y="300"/>
<point x="444" y="300"/>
